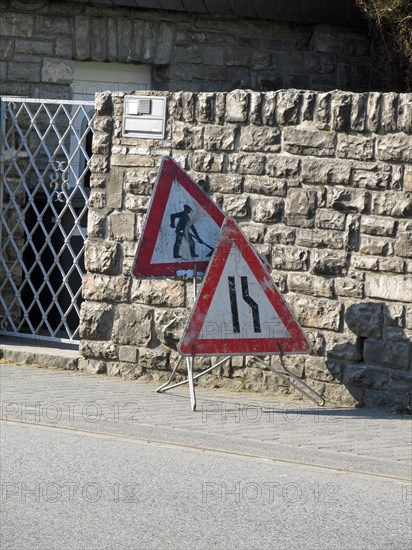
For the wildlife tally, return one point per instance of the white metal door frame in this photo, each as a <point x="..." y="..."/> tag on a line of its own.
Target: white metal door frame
<point x="43" y="202"/>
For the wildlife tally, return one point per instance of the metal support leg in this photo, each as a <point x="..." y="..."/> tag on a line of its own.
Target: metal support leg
<point x="189" y="363"/>
<point x="313" y="395"/>
<point x="197" y="375"/>
<point x="161" y="388"/>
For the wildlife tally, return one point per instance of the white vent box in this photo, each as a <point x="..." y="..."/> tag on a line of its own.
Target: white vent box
<point x="144" y="117"/>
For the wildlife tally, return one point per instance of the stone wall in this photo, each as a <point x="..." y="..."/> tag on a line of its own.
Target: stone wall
<point x="40" y="39"/>
<point x="320" y="182"/>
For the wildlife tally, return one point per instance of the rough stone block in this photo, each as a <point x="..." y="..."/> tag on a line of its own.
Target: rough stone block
<point x="316" y="368"/>
<point x="329" y="219"/>
<point x="207" y="162"/>
<point x="218" y="138"/>
<point x="164" y="45"/>
<point x="136" y="203"/>
<point x="374" y="399"/>
<point x="280" y="234"/>
<point x="376" y="225"/>
<point x="365" y="319"/>
<point x="225" y="183"/>
<point x="389" y="105"/>
<point x="186" y="137"/>
<point x="101" y="143"/>
<point x="351" y="287"/>
<point x="397" y="334"/>
<point x="392" y="204"/>
<point x="267" y="210"/>
<point x="100" y="350"/>
<point x="376" y="246"/>
<point x="394" y="355"/>
<point x="354" y="147"/>
<point x="309" y="142"/>
<point x="128" y="354"/>
<point x="368" y="263"/>
<point x="269" y="108"/>
<point x="279" y="166"/>
<point x="258" y="138"/>
<point x="237" y="103"/>
<point x="341" y="111"/>
<point x="28" y="46"/>
<point x="103" y="288"/>
<point x="393" y="315"/>
<point x="318" y="238"/>
<point x="348" y="200"/>
<point x="288" y="107"/>
<point x="92" y="366"/>
<point x="82" y="37"/>
<point x="102" y="257"/>
<point x="237" y="206"/>
<point x="300" y="207"/>
<point x="99" y="38"/>
<point x="156" y="358"/>
<point x="329" y="263"/>
<point x="393" y="264"/>
<point x="17" y="24"/>
<point x="350" y="396"/>
<point x="403" y="245"/>
<point x="130" y="371"/>
<point x="395" y="148"/>
<point x="96" y="321"/>
<point x="316" y="312"/>
<point x="133" y="325"/>
<point x="163" y="293"/>
<point x="343" y="346"/>
<point x="404" y="123"/>
<point x="368" y="376"/>
<point x="254" y="232"/>
<point x="359" y="112"/>
<point x="248" y="163"/>
<point x="169" y="325"/>
<point x="389" y="287"/>
<point x="122" y="226"/>
<point x="24" y="71"/>
<point x="290" y="258"/>
<point x="100" y="163"/>
<point x="304" y="283"/>
<point x="372" y="177"/>
<point x="264" y="185"/>
<point x="374" y="111"/>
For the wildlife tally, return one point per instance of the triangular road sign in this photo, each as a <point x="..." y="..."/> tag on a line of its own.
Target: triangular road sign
<point x="182" y="227"/>
<point x="239" y="310"/>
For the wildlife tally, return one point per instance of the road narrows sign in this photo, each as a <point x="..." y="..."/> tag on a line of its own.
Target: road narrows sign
<point x="239" y="310"/>
<point x="182" y="227"/>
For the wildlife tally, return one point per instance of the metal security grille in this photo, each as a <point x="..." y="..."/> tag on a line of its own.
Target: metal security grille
<point x="44" y="188"/>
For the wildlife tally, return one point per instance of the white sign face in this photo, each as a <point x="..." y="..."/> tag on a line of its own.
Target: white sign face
<point x="187" y="232"/>
<point x="181" y="229"/>
<point x="239" y="310"/>
<point x="240" y="307"/>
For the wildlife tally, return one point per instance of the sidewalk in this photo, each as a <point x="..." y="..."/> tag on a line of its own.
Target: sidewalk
<point x="360" y="440"/>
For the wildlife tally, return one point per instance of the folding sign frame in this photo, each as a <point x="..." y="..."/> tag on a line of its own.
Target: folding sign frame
<point x="249" y="324"/>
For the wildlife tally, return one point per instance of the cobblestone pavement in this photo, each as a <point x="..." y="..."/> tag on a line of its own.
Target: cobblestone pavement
<point x="358" y="440"/>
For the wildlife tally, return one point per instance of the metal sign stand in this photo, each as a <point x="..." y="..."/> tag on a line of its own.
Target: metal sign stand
<point x="308" y="392"/>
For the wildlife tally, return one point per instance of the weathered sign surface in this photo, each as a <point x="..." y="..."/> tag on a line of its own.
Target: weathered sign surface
<point x="182" y="227"/>
<point x="239" y="310"/>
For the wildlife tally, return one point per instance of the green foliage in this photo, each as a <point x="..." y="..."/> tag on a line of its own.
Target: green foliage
<point x="391" y="21"/>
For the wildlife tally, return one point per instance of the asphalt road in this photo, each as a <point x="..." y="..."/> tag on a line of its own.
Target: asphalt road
<point x="70" y="490"/>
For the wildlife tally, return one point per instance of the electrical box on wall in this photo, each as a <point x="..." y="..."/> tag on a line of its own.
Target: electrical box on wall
<point x="144" y="117"/>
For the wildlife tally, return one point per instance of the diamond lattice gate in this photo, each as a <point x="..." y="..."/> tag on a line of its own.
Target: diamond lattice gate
<point x="44" y="188"/>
